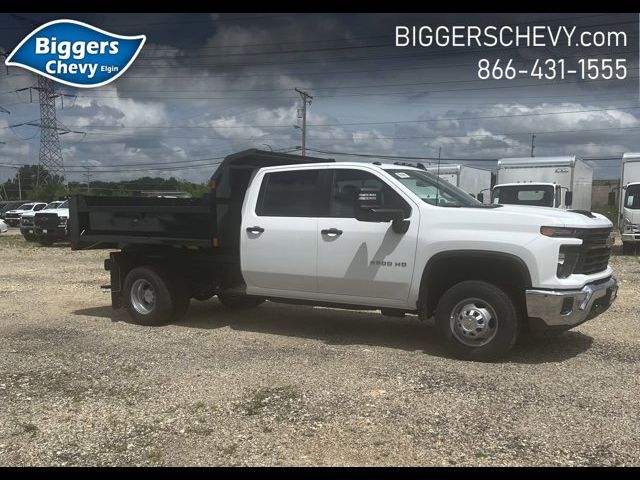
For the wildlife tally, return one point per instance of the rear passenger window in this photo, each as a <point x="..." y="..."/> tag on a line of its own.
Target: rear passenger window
<point x="296" y="193"/>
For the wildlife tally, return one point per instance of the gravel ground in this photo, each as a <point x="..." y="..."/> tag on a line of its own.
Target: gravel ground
<point x="294" y="385"/>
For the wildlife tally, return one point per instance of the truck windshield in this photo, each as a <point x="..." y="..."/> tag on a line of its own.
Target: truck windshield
<point x="632" y="197"/>
<point x="526" y="194"/>
<point x="433" y="190"/>
<point x="25" y="206"/>
<point x="52" y="205"/>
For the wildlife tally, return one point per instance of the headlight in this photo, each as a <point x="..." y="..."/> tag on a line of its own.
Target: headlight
<point x="63" y="220"/>
<point x="627" y="226"/>
<point x="567" y="260"/>
<point x="558" y="232"/>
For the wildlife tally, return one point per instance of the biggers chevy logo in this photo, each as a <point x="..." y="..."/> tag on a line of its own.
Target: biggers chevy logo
<point x="76" y="54"/>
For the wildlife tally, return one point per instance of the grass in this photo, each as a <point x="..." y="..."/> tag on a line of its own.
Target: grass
<point x="154" y="455"/>
<point x="15" y="241"/>
<point x="229" y="449"/>
<point x="270" y="397"/>
<point x="29" y="428"/>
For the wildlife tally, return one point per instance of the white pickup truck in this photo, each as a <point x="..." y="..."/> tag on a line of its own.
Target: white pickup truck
<point x="354" y="235"/>
<point x="50" y="224"/>
<point x="27" y="220"/>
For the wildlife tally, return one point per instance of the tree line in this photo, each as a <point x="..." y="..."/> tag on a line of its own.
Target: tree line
<point x="56" y="187"/>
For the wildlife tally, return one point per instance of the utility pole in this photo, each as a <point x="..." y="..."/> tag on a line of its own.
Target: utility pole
<point x="533" y="146"/>
<point x="306" y="100"/>
<point x="88" y="175"/>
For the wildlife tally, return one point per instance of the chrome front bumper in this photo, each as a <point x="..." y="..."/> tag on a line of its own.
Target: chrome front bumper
<point x="558" y="308"/>
<point x="631" y="237"/>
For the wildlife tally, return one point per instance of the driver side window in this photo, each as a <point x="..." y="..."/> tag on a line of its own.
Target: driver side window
<point x="344" y="192"/>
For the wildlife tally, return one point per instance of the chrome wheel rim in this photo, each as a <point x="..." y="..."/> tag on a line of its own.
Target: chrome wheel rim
<point x="474" y="322"/>
<point x="143" y="296"/>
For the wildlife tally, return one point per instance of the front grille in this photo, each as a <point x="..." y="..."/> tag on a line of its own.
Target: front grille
<point x="595" y="250"/>
<point x="47" y="220"/>
<point x="12" y="216"/>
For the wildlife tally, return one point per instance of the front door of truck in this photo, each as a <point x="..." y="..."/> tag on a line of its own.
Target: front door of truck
<point x="278" y="238"/>
<point x="364" y="260"/>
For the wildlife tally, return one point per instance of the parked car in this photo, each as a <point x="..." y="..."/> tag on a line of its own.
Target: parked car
<point x="27" y="225"/>
<point x="50" y="224"/>
<point x="12" y="217"/>
<point x="3" y="227"/>
<point x="6" y="206"/>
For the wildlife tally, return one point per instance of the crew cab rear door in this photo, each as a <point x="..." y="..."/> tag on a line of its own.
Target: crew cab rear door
<point x="279" y="233"/>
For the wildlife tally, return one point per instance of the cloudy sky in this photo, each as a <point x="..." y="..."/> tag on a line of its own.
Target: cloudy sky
<point x="205" y="86"/>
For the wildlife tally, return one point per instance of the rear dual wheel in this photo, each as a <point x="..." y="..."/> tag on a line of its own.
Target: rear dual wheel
<point x="153" y="296"/>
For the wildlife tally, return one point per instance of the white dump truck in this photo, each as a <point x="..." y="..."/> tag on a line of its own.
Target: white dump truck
<point x="294" y="229"/>
<point x="560" y="182"/>
<point x="472" y="180"/>
<point x="629" y="220"/>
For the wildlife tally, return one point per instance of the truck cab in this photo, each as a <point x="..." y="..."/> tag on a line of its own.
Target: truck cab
<point x="629" y="210"/>
<point x="355" y="235"/>
<point x="533" y="194"/>
<point x="563" y="182"/>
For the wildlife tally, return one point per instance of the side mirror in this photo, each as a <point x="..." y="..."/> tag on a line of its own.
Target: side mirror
<point x="612" y="199"/>
<point x="568" y="198"/>
<point x="480" y="197"/>
<point x="370" y="208"/>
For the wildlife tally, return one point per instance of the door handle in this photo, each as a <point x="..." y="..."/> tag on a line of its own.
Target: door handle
<point x="331" y="231"/>
<point x="255" y="229"/>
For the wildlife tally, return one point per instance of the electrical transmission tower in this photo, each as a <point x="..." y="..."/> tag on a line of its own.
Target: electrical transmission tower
<point x="50" y="159"/>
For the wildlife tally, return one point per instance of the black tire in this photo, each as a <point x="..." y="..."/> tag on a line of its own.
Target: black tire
<point x="497" y="315"/>
<point x="628" y="248"/>
<point x="45" y="241"/>
<point x="170" y="299"/>
<point x="240" y="302"/>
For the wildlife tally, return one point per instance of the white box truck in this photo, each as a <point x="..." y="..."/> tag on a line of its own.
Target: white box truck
<point x="470" y="179"/>
<point x="629" y="221"/>
<point x="560" y="182"/>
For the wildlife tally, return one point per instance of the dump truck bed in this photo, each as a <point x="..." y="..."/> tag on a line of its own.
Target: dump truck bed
<point x="210" y="222"/>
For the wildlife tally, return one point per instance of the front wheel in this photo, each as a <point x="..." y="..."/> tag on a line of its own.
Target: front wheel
<point x="477" y="320"/>
<point x="240" y="302"/>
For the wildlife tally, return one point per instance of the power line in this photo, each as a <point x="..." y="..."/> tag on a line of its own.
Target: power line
<point x="365" y="94"/>
<point x="344" y="124"/>
<point x="451" y="159"/>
